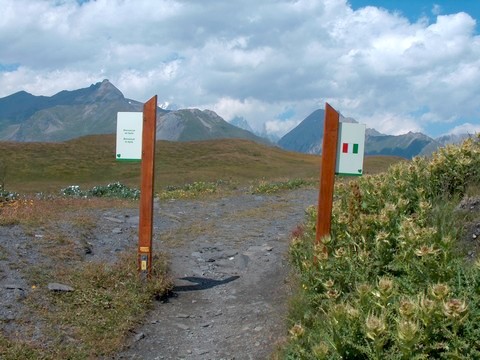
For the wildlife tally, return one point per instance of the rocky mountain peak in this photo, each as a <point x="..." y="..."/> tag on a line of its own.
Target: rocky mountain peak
<point x="105" y="91"/>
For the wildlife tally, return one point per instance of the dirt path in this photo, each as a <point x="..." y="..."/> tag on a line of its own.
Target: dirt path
<point x="228" y="259"/>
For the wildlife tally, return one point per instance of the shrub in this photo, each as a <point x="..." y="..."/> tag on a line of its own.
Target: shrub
<point x="114" y="190"/>
<point x="394" y="284"/>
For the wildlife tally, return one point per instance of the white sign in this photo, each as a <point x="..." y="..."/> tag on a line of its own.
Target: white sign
<point x="350" y="149"/>
<point x="129" y="136"/>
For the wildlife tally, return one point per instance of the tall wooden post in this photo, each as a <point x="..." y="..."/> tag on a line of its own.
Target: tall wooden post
<point x="327" y="174"/>
<point x="145" y="228"/>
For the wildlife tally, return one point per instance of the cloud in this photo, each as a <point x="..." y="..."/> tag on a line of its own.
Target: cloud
<point x="252" y="59"/>
<point x="466" y="128"/>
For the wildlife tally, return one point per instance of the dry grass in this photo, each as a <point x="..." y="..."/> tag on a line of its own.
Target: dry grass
<point x="90" y="161"/>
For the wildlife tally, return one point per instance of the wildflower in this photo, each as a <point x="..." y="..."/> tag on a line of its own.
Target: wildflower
<point x="329" y="283"/>
<point x="321" y="350"/>
<point x="425" y="250"/>
<point x="375" y="326"/>
<point x="339" y="253"/>
<point x="407" y="331"/>
<point x="440" y="291"/>
<point x="297" y="331"/>
<point x="454" y="308"/>
<point x="407" y="308"/>
<point x="426" y="305"/>
<point x="333" y="294"/>
<point x="363" y="289"/>
<point x="385" y="286"/>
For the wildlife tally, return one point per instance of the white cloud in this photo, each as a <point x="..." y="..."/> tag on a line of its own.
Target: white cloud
<point x="251" y="58"/>
<point x="466" y="128"/>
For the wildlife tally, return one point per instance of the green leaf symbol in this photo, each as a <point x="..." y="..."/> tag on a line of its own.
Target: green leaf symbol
<point x="359" y="171"/>
<point x="119" y="155"/>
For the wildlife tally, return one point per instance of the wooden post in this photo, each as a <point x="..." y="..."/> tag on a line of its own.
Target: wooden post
<point x="327" y="174"/>
<point x="145" y="227"/>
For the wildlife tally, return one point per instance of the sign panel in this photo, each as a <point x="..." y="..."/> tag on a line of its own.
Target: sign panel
<point x="350" y="149"/>
<point x="129" y="136"/>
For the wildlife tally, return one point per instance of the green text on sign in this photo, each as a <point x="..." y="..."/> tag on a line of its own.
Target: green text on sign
<point x="129" y="136"/>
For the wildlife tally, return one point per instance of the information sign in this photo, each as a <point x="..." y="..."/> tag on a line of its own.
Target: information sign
<point x="350" y="149"/>
<point x="129" y="136"/>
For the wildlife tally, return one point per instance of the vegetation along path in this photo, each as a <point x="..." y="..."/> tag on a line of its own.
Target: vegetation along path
<point x="228" y="260"/>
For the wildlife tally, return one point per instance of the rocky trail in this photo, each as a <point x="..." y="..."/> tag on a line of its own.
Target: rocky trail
<point x="228" y="261"/>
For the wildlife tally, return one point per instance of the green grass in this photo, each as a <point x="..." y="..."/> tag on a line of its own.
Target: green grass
<point x="90" y="161"/>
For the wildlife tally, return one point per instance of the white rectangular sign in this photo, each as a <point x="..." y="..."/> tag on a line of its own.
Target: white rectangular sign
<point x="350" y="149"/>
<point x="129" y="136"/>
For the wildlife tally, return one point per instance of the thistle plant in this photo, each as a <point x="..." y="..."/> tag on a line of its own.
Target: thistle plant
<point x="393" y="285"/>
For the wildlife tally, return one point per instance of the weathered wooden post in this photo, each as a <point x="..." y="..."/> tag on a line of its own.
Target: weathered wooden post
<point x="145" y="228"/>
<point x="327" y="174"/>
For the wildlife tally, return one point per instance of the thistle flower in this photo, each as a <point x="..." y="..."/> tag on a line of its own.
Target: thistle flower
<point x="425" y="305"/>
<point x="385" y="287"/>
<point x="407" y="308"/>
<point x="339" y="253"/>
<point x="454" y="308"/>
<point x="407" y="331"/>
<point x="425" y="250"/>
<point x="364" y="289"/>
<point x="333" y="294"/>
<point x="440" y="291"/>
<point x="321" y="350"/>
<point x="375" y="326"/>
<point x="297" y="331"/>
<point x="329" y="283"/>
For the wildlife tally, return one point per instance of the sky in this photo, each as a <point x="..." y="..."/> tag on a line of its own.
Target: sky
<point x="395" y="65"/>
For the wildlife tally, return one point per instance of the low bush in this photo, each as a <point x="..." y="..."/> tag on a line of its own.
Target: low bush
<point x="113" y="190"/>
<point x="393" y="283"/>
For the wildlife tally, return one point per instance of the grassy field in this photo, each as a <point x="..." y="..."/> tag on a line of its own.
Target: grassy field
<point x="90" y="161"/>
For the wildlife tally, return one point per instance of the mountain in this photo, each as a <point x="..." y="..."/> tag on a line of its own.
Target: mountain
<point x="93" y="110"/>
<point x="65" y="115"/>
<point x="307" y="137"/>
<point x="195" y="124"/>
<point x="406" y="145"/>
<point x="240" y="122"/>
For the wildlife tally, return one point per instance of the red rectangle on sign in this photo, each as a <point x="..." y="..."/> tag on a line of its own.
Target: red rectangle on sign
<point x="345" y="148"/>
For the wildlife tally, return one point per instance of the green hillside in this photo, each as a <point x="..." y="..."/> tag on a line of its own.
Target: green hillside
<point x="90" y="160"/>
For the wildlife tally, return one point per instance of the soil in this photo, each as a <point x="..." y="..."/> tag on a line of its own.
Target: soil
<point x="228" y="263"/>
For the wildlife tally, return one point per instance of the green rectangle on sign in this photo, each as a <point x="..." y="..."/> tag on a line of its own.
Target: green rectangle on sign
<point x="355" y="148"/>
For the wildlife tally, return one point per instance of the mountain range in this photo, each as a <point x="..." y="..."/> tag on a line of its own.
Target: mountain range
<point x="93" y="110"/>
<point x="307" y="137"/>
<point x="70" y="114"/>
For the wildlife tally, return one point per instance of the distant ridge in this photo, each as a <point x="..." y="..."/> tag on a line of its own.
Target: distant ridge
<point x="93" y="110"/>
<point x="307" y="137"/>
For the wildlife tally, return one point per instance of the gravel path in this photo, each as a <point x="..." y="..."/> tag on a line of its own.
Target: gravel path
<point x="230" y="269"/>
<point x="228" y="261"/>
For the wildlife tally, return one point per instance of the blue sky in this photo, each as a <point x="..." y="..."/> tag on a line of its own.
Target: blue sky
<point x="396" y="66"/>
<point x="415" y="10"/>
